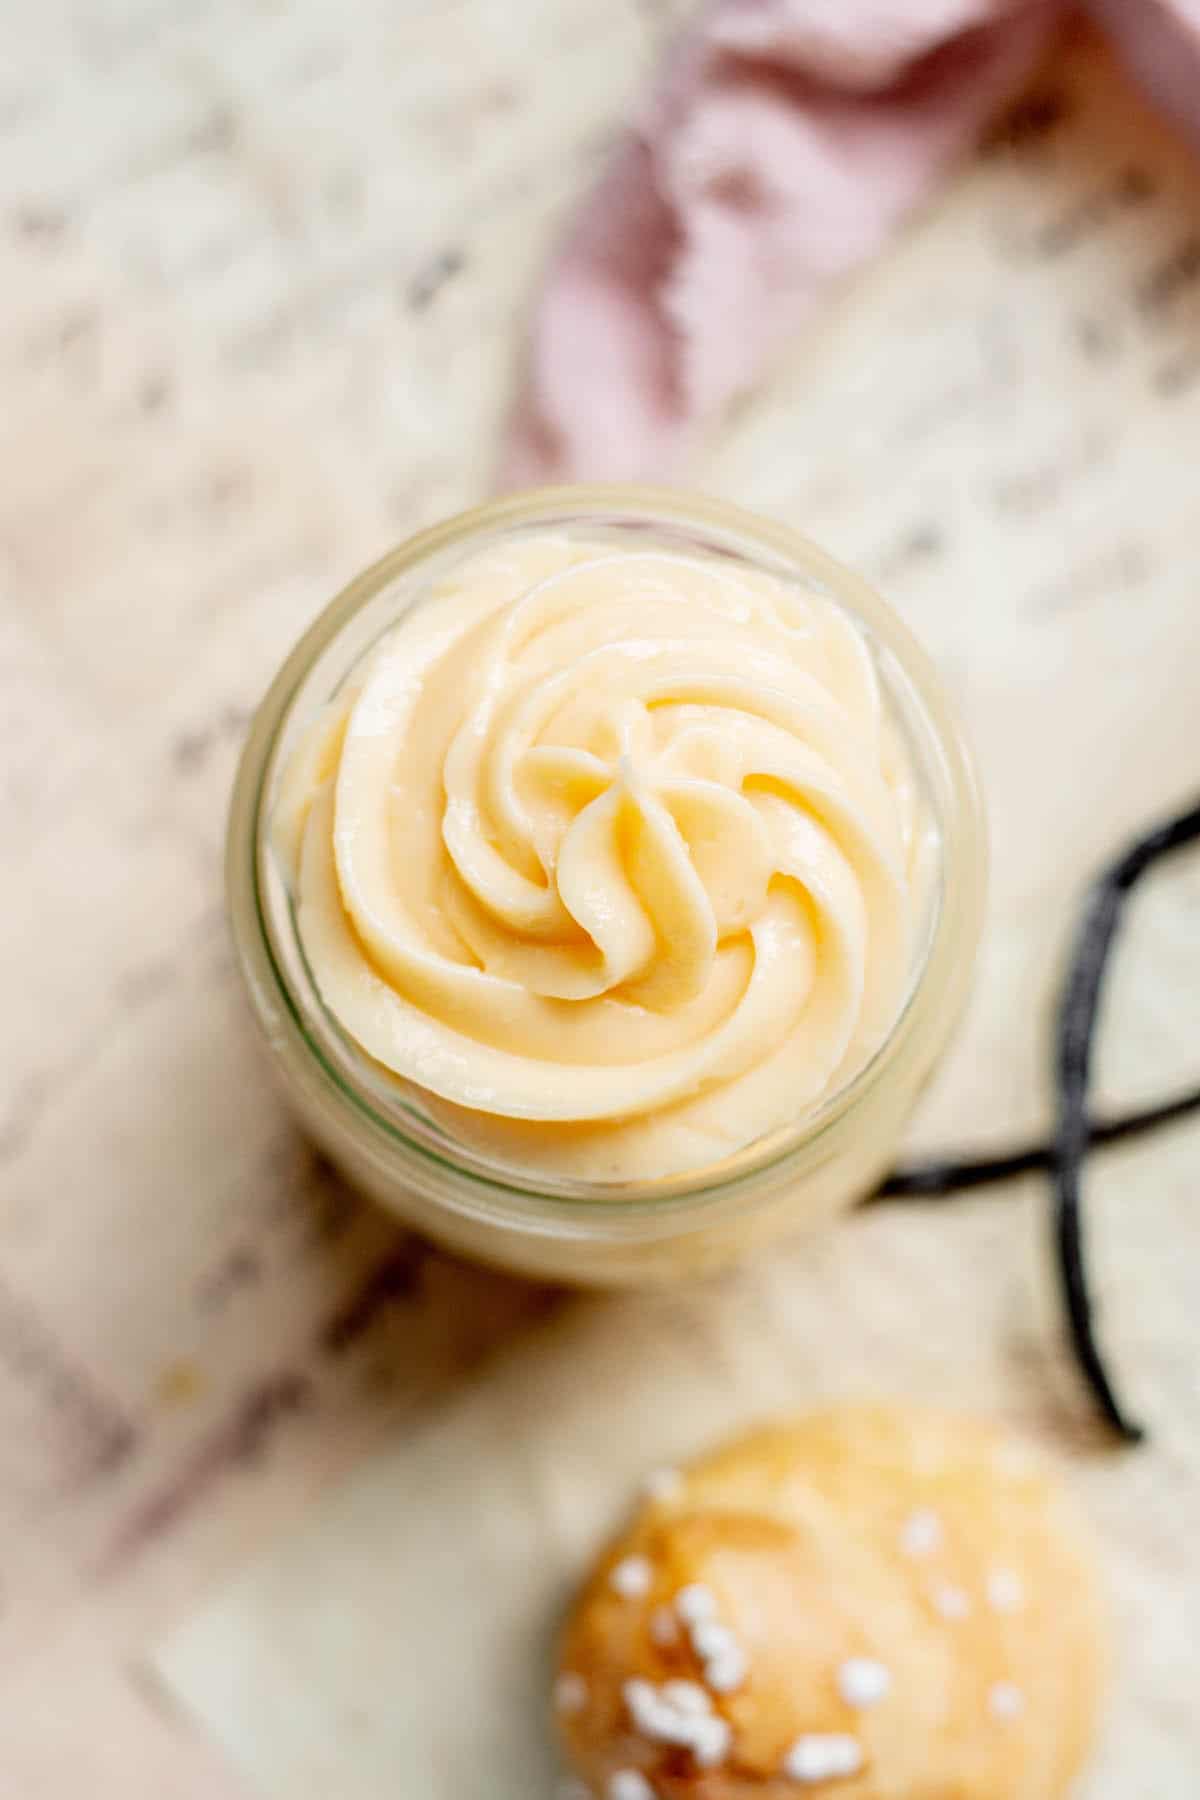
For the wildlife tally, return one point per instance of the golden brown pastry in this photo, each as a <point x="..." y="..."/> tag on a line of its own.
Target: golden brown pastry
<point x="870" y="1603"/>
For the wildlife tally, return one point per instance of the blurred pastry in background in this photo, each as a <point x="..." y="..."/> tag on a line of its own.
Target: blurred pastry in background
<point x="878" y="1603"/>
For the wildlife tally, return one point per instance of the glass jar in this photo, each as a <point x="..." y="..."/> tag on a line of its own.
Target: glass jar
<point x="595" y="1232"/>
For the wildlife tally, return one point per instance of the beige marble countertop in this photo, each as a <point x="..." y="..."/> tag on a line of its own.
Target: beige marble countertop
<point x="263" y="265"/>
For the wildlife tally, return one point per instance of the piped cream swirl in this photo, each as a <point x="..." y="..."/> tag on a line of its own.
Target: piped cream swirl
<point x="611" y="852"/>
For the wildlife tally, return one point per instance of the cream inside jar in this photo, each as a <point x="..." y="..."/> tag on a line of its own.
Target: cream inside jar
<point x="610" y="855"/>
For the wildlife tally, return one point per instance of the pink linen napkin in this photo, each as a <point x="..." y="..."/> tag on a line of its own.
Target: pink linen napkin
<point x="783" y="144"/>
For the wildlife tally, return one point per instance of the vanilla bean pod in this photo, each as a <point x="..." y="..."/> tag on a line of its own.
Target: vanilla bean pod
<point x="1075" y="1133"/>
<point x="1077" y="1019"/>
<point x="943" y="1179"/>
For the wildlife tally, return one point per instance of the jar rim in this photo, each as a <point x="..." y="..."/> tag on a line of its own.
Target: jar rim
<point x="471" y="1183"/>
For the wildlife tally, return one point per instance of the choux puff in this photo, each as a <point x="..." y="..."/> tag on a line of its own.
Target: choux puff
<point x="871" y="1603"/>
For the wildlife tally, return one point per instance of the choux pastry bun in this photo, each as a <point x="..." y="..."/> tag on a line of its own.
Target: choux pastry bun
<point x="871" y="1603"/>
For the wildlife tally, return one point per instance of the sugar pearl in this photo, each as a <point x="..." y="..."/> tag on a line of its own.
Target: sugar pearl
<point x="862" y="1681"/>
<point x="629" y="1784"/>
<point x="631" y="1577"/>
<point x="952" y="1602"/>
<point x="922" y="1533"/>
<point x="1004" y="1591"/>
<point x="695" y="1603"/>
<point x="686" y="1696"/>
<point x="642" y="1703"/>
<point x="711" y="1638"/>
<point x="570" y="1692"/>
<point x="727" y="1670"/>
<point x="1005" y="1700"/>
<point x="679" y="1713"/>
<point x="822" y="1757"/>
<point x="710" y="1741"/>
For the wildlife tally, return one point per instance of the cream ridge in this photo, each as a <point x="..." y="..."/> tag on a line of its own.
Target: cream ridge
<point x="611" y="854"/>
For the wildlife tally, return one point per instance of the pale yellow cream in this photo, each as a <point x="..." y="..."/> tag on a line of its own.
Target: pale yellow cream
<point x="611" y="853"/>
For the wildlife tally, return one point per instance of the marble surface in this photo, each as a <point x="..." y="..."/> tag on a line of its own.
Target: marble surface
<point x="263" y="268"/>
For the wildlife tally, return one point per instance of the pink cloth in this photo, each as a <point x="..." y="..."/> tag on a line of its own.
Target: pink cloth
<point x="784" y="143"/>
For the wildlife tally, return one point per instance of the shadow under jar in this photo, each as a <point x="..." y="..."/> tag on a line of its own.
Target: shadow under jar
<point x="606" y="870"/>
